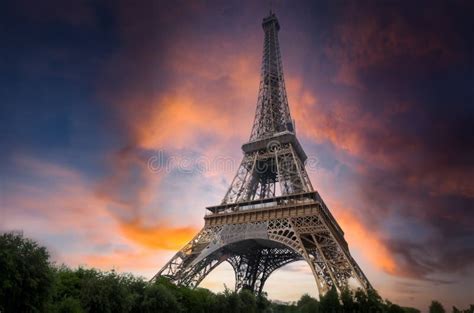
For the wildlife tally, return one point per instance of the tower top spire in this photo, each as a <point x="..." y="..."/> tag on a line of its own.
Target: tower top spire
<point x="273" y="114"/>
<point x="271" y="19"/>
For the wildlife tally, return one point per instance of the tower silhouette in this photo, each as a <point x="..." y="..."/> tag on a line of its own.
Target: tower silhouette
<point x="270" y="215"/>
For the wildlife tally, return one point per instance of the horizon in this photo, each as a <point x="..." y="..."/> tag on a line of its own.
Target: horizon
<point x="122" y="123"/>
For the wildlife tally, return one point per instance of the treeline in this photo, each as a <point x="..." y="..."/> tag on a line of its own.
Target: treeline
<point x="30" y="283"/>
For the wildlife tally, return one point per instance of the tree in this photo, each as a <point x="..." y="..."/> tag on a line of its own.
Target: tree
<point x="220" y="303"/>
<point x="249" y="302"/>
<point x="104" y="292"/>
<point x="369" y="302"/>
<point x="329" y="303"/>
<point x="263" y="304"/>
<point x="347" y="299"/>
<point x="307" y="304"/>
<point x="393" y="308"/>
<point x="436" y="307"/>
<point x="136" y="291"/>
<point x="197" y="300"/>
<point x="28" y="283"/>
<point x="68" y="305"/>
<point x="233" y="302"/>
<point x="159" y="299"/>
<point x="26" y="278"/>
<point x="66" y="291"/>
<point x="205" y="299"/>
<point x="410" y="310"/>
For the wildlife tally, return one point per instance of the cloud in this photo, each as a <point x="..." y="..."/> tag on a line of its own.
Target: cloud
<point x="200" y="101"/>
<point x="158" y="236"/>
<point x="404" y="175"/>
<point x="371" y="35"/>
<point x="367" y="240"/>
<point x="59" y="206"/>
<point x="115" y="260"/>
<point x="386" y="116"/>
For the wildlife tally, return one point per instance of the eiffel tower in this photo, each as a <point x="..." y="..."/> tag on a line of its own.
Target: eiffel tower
<point x="270" y="215"/>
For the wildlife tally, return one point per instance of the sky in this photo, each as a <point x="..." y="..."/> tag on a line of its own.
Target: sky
<point x="121" y="121"/>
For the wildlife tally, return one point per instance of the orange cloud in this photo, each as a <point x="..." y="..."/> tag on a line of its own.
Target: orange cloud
<point x="139" y="261"/>
<point x="367" y="241"/>
<point x="122" y="260"/>
<point x="342" y="124"/>
<point x="157" y="236"/>
<point x="176" y="121"/>
<point x="210" y="90"/>
<point x="210" y="96"/>
<point x="211" y="93"/>
<point x="69" y="206"/>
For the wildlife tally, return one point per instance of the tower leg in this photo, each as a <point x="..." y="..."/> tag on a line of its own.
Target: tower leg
<point x="256" y="249"/>
<point x="327" y="256"/>
<point x="193" y="262"/>
<point x="254" y="267"/>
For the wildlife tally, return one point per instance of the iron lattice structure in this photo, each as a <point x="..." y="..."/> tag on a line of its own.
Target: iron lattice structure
<point x="270" y="215"/>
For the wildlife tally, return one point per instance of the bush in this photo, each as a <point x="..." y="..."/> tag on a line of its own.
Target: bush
<point x="26" y="278"/>
<point x="29" y="283"/>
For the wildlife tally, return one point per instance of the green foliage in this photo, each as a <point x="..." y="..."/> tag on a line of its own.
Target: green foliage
<point x="105" y="292"/>
<point x="369" y="302"/>
<point x="159" y="299"/>
<point x="249" y="301"/>
<point x="348" y="303"/>
<point x="308" y="304"/>
<point x="469" y="310"/>
<point x="68" y="305"/>
<point x="263" y="304"/>
<point x="436" y="307"/>
<point x="26" y="277"/>
<point x="29" y="283"/>
<point x="233" y="302"/>
<point x="410" y="310"/>
<point x="329" y="303"/>
<point x="393" y="308"/>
